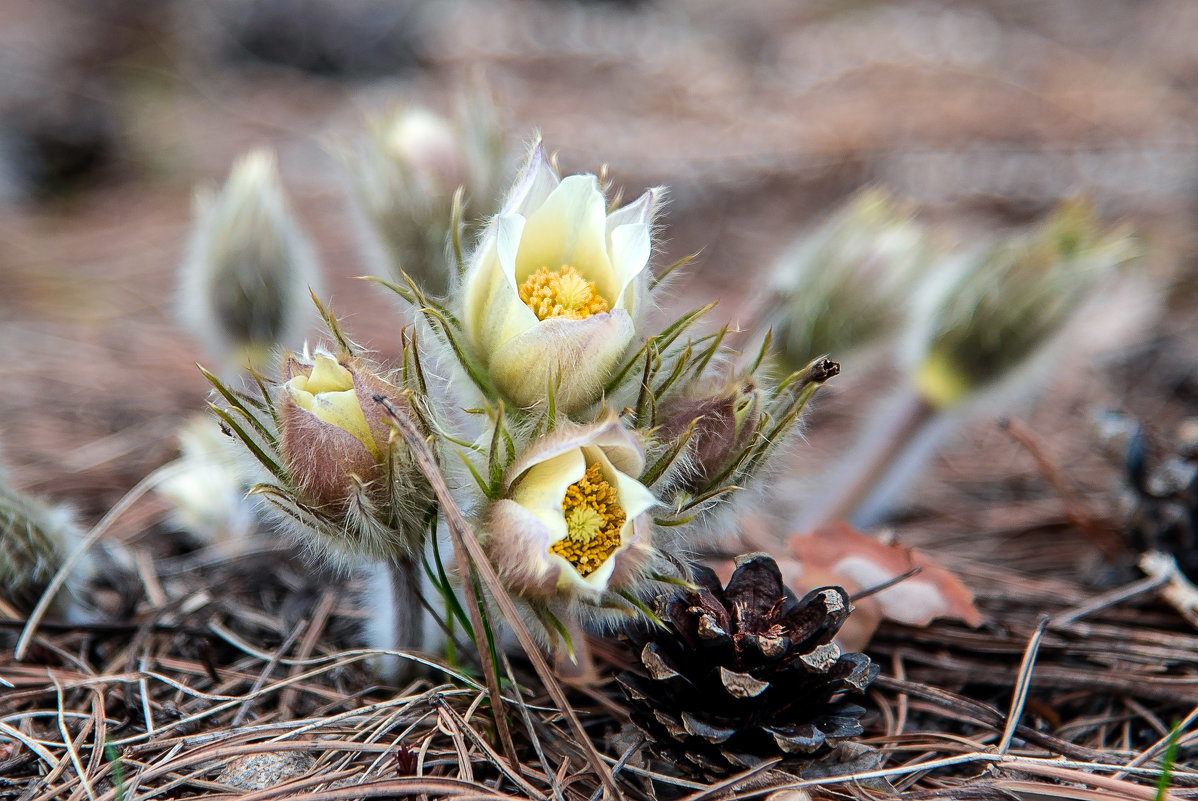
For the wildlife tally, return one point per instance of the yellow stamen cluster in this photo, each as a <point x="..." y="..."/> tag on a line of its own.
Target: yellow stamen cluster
<point x="593" y="522"/>
<point x="561" y="293"/>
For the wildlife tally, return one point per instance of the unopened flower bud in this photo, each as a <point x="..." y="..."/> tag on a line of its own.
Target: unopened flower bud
<point x="406" y="173"/>
<point x="425" y="143"/>
<point x="846" y="284"/>
<point x="246" y="277"/>
<point x="343" y="461"/>
<point x="723" y="425"/>
<point x="36" y="539"/>
<point x="329" y="445"/>
<point x="999" y="306"/>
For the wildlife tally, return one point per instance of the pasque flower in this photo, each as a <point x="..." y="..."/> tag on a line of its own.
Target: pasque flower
<point x="406" y="173"/>
<point x="36" y="539"/>
<point x="998" y="307"/>
<point x="249" y="267"/>
<point x="846" y="284"/>
<point x="573" y="519"/>
<point x="339" y="454"/>
<point x="553" y="294"/>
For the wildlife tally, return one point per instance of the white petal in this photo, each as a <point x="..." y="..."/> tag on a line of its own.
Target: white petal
<point x="568" y="436"/>
<point x="619" y="446"/>
<point x="593" y="584"/>
<point x="479" y="286"/>
<point x="635" y="498"/>
<point x="509" y="228"/>
<point x="543" y="486"/>
<point x="579" y="355"/>
<point x="535" y="183"/>
<point x="630" y="247"/>
<point x="518" y="543"/>
<point x="640" y="210"/>
<point x="570" y="227"/>
<point x="494" y="312"/>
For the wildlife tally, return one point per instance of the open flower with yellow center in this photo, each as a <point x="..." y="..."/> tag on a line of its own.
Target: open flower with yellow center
<point x="573" y="520"/>
<point x="556" y="288"/>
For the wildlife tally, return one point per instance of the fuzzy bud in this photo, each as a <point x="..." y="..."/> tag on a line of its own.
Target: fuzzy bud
<point x="845" y="285"/>
<point x="723" y="426"/>
<point x="406" y="173"/>
<point x="329" y="445"/>
<point x="998" y="307"/>
<point x="249" y="267"/>
<point x="343" y="461"/>
<point x="206" y="492"/>
<point x="35" y="541"/>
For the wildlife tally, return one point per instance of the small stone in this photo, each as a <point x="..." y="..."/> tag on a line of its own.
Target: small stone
<point x="259" y="771"/>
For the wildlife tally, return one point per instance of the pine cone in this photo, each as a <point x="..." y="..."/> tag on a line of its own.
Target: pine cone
<point x="746" y="673"/>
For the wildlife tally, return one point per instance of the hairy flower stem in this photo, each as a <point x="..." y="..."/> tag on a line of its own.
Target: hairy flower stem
<point x="408" y="613"/>
<point x="883" y="463"/>
<point x="573" y="661"/>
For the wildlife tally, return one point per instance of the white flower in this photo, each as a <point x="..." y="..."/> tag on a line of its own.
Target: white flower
<point x="574" y="519"/>
<point x="555" y="290"/>
<point x="207" y="492"/>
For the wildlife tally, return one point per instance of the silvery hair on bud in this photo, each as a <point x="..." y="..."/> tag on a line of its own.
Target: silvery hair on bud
<point x="36" y="539"/>
<point x="245" y="277"/>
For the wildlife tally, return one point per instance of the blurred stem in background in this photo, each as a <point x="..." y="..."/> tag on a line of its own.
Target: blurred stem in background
<point x="984" y="327"/>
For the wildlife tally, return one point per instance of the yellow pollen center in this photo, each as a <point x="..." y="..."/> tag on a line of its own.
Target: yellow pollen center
<point x="593" y="523"/>
<point x="561" y="293"/>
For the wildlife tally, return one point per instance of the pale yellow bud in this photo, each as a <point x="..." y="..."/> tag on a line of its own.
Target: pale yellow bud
<point x="333" y="437"/>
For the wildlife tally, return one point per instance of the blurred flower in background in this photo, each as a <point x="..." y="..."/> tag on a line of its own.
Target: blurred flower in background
<point x="37" y="539"/>
<point x="847" y="284"/>
<point x="246" y="279"/>
<point x="405" y="176"/>
<point x="984" y="323"/>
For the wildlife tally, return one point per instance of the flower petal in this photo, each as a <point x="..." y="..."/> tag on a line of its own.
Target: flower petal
<point x="327" y="376"/>
<point x="630" y="248"/>
<point x="635" y="498"/>
<point x="339" y="408"/>
<point x="579" y="354"/>
<point x="537" y="180"/>
<point x="640" y="210"/>
<point x="570" y="227"/>
<point x="622" y="449"/>
<point x="542" y="487"/>
<point x="520" y="551"/>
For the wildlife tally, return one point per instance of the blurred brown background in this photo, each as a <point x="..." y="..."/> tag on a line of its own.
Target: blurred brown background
<point x="759" y="115"/>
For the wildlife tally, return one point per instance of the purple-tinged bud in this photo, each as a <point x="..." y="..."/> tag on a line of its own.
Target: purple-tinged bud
<point x="334" y="440"/>
<point x="723" y="424"/>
